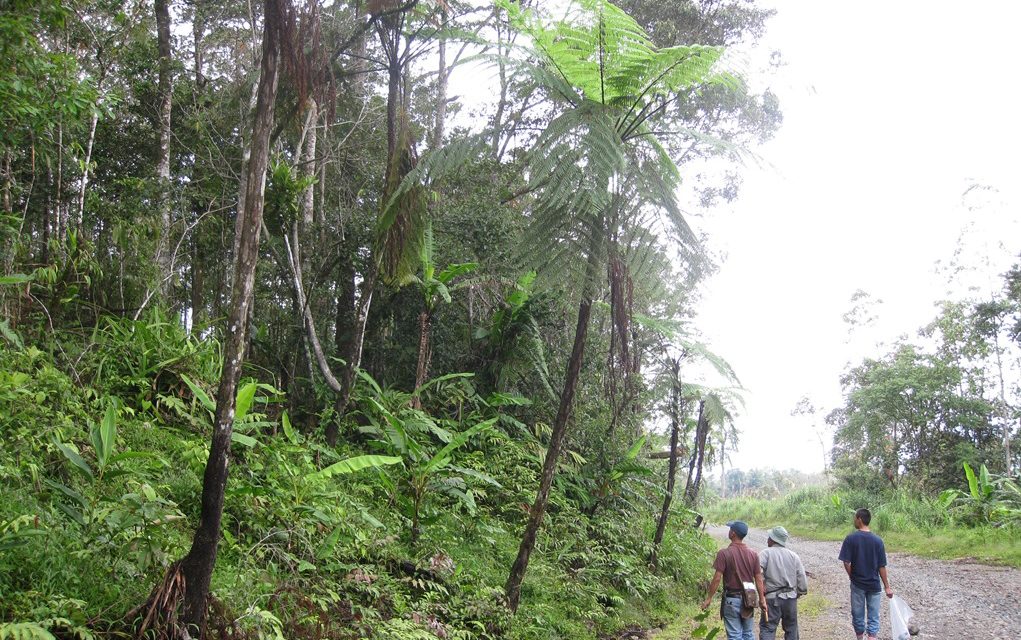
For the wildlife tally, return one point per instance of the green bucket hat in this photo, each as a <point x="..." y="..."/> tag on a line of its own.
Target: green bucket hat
<point x="779" y="535"/>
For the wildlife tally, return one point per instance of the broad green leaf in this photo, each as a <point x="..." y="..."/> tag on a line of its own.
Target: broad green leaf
<point x="435" y="381"/>
<point x="67" y="491"/>
<point x="16" y="278"/>
<point x="442" y="457"/>
<point x="246" y="394"/>
<point x="107" y="433"/>
<point x="242" y="439"/>
<point x="289" y="432"/>
<point x="972" y="481"/>
<point x="352" y="465"/>
<point x="199" y="394"/>
<point x="984" y="482"/>
<point x="632" y="453"/>
<point x="454" y="270"/>
<point x="370" y="381"/>
<point x="76" y="459"/>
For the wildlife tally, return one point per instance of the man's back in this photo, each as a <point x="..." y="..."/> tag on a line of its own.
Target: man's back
<point x="867" y="554"/>
<point x="783" y="572"/>
<point x="738" y="564"/>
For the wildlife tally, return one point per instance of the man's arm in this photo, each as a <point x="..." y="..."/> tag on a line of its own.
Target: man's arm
<point x="761" y="586"/>
<point x="802" y="579"/>
<point x="886" y="582"/>
<point x="713" y="586"/>
<point x="847" y="568"/>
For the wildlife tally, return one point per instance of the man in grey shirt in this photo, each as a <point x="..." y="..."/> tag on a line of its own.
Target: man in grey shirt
<point x="785" y="581"/>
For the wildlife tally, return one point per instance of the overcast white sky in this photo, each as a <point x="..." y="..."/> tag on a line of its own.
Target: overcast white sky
<point x="891" y="110"/>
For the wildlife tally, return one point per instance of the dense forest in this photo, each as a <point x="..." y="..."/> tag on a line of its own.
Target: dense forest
<point x="299" y="343"/>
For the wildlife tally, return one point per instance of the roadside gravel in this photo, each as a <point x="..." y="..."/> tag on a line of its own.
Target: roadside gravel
<point x="951" y="599"/>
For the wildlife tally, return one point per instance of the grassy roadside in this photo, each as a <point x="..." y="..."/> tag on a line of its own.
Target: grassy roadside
<point x="906" y="526"/>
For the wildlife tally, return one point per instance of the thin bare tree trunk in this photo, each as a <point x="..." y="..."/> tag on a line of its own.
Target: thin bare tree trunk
<point x="353" y="356"/>
<point x="424" y="353"/>
<point x="442" y="78"/>
<point x="311" y="335"/>
<point x="675" y="428"/>
<point x="535" y="514"/>
<point x="8" y="181"/>
<point x="308" y="163"/>
<point x="93" y="122"/>
<point x="166" y="95"/>
<point x="197" y="566"/>
<point x="694" y="453"/>
<point x="691" y="487"/>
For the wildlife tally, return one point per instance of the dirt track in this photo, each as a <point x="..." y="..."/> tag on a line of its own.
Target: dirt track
<point x="951" y="599"/>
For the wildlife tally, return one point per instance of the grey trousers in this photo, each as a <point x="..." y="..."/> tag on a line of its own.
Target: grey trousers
<point x="780" y="609"/>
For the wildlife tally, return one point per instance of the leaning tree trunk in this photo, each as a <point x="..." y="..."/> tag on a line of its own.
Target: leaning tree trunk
<point x="166" y="93"/>
<point x="675" y="428"/>
<point x="549" y="466"/>
<point x="197" y="566"/>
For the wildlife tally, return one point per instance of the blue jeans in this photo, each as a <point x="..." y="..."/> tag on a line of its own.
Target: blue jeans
<point x="860" y="601"/>
<point x="738" y="628"/>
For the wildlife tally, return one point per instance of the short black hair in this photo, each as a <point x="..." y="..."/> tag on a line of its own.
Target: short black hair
<point x="864" y="515"/>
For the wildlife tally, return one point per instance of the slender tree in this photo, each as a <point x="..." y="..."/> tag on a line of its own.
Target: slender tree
<point x="197" y="565"/>
<point x="675" y="428"/>
<point x="166" y="96"/>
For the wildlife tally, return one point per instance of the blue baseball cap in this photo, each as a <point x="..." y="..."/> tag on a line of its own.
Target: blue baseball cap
<point x="738" y="527"/>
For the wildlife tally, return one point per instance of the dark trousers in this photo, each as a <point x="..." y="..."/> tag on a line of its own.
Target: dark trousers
<point x="780" y="610"/>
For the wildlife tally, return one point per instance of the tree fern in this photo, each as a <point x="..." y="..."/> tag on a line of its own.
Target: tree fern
<point x="24" y="631"/>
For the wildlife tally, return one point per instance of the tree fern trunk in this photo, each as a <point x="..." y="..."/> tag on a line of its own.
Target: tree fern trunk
<point x="198" y="565"/>
<point x="535" y="515"/>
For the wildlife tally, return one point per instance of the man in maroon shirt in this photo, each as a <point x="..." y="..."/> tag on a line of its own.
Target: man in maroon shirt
<point x="736" y="565"/>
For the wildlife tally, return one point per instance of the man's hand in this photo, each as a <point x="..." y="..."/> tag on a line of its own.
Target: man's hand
<point x="708" y="601"/>
<point x="889" y="592"/>
<point x="762" y="604"/>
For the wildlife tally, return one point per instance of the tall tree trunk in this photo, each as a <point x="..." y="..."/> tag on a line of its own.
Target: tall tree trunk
<point x="166" y="94"/>
<point x="424" y="353"/>
<point x="549" y="466"/>
<point x="197" y="566"/>
<point x="675" y="428"/>
<point x="691" y="487"/>
<point x="696" y="486"/>
<point x="79" y="212"/>
<point x="442" y="78"/>
<point x="353" y="357"/>
<point x="8" y="182"/>
<point x="308" y="164"/>
<point x="694" y="453"/>
<point x="723" y="463"/>
<point x="390" y="40"/>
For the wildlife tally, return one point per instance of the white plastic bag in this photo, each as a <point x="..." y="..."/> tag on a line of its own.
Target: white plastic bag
<point x="900" y="615"/>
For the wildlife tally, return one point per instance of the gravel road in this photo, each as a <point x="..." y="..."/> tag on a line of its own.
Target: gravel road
<point x="951" y="599"/>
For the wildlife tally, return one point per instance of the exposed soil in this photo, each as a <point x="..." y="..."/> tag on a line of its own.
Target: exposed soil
<point x="951" y="599"/>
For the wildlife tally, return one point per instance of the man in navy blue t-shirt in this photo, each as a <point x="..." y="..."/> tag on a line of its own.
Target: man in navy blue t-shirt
<point x="864" y="557"/>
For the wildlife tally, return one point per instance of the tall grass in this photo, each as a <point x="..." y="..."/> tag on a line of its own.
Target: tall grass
<point x="907" y="522"/>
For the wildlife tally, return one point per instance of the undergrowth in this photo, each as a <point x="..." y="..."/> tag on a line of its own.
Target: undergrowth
<point x="104" y="448"/>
